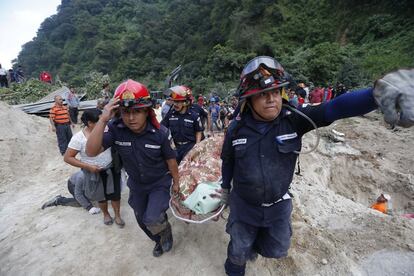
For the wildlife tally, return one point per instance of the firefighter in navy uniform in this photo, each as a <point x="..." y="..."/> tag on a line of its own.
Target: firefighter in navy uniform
<point x="145" y="149"/>
<point x="201" y="112"/>
<point x="261" y="148"/>
<point x="184" y="123"/>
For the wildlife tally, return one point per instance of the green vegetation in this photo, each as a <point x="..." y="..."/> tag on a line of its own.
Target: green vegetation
<point x="320" y="41"/>
<point x="28" y="92"/>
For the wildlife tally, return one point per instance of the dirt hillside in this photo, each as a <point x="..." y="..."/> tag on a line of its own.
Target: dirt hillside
<point x="334" y="231"/>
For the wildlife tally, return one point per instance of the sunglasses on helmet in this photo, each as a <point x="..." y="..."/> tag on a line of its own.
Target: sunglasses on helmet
<point x="253" y="65"/>
<point x="134" y="102"/>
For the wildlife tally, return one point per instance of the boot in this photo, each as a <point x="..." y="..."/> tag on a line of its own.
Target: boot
<point x="252" y="256"/>
<point x="166" y="240"/>
<point x="233" y="269"/>
<point x="157" y="251"/>
<point x="52" y="202"/>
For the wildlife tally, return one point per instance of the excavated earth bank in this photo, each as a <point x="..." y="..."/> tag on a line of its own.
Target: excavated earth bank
<point x="334" y="231"/>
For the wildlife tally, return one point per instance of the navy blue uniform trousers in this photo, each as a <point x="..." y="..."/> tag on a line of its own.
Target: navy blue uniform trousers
<point x="182" y="150"/>
<point x="269" y="237"/>
<point x="150" y="202"/>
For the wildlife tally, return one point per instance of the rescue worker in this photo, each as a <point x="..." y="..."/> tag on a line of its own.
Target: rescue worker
<point x="145" y="149"/>
<point x="381" y="203"/>
<point x="261" y="148"/>
<point x="184" y="123"/>
<point x="201" y="112"/>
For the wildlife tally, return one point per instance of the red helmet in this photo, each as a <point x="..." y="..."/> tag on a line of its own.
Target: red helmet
<point x="133" y="94"/>
<point x="180" y="93"/>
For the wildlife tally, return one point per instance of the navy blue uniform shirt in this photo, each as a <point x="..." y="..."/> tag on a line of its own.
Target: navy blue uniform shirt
<point x="263" y="154"/>
<point x="183" y="127"/>
<point x="199" y="110"/>
<point x="143" y="154"/>
<point x="259" y="156"/>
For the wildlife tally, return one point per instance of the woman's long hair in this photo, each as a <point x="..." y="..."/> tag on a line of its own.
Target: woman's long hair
<point x="90" y="115"/>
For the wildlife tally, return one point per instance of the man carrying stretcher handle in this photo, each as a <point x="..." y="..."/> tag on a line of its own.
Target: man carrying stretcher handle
<point x="145" y="149"/>
<point x="261" y="148"/>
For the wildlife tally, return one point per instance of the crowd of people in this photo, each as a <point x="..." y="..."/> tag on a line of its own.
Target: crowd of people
<point x="99" y="178"/>
<point x="261" y="146"/>
<point x="215" y="114"/>
<point x="303" y="94"/>
<point x="9" y="76"/>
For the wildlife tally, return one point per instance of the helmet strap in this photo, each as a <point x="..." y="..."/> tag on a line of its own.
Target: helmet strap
<point x="152" y="117"/>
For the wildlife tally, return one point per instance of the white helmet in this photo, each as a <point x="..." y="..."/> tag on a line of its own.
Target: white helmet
<point x="386" y="196"/>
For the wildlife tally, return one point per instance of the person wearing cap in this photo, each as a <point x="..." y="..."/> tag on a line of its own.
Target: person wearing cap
<point x="145" y="150"/>
<point x="262" y="144"/>
<point x="184" y="122"/>
<point x="381" y="204"/>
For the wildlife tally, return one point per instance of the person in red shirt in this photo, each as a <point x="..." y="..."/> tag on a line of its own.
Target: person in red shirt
<point x="45" y="77"/>
<point x="316" y="96"/>
<point x="301" y="100"/>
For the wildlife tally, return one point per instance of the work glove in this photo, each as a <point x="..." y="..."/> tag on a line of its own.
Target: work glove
<point x="223" y="194"/>
<point x="94" y="211"/>
<point x="394" y="94"/>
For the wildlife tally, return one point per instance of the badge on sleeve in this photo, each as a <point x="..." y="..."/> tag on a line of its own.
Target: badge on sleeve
<point x="199" y="122"/>
<point x="172" y="144"/>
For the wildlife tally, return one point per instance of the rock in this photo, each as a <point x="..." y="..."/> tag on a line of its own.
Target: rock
<point x="324" y="261"/>
<point x="337" y="133"/>
<point x="56" y="244"/>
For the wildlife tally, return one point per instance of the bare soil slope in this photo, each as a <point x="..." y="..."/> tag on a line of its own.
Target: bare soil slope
<point x="334" y="231"/>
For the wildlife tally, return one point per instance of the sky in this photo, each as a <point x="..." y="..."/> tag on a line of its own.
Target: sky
<point x="20" y="21"/>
